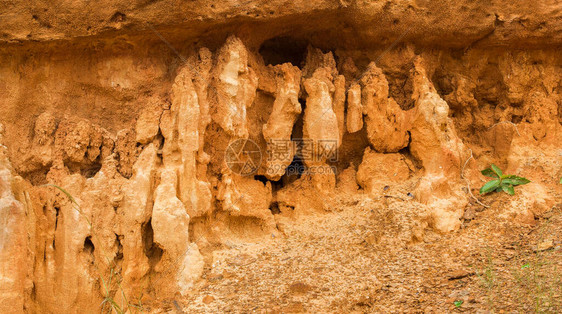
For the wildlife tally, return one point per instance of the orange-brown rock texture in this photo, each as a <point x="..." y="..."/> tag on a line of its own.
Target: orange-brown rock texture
<point x="139" y="138"/>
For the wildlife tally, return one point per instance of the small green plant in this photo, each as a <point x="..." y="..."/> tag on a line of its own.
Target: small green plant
<point x="502" y="182"/>
<point x="126" y="306"/>
<point x="458" y="303"/>
<point x="487" y="277"/>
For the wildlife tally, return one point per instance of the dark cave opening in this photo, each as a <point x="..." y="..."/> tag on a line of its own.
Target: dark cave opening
<point x="119" y="255"/>
<point x="151" y="249"/>
<point x="57" y="211"/>
<point x="90" y="172"/>
<point x="262" y="179"/>
<point x="297" y="167"/>
<point x="86" y="169"/>
<point x="284" y="49"/>
<point x="274" y="208"/>
<point x="89" y="245"/>
<point x="295" y="170"/>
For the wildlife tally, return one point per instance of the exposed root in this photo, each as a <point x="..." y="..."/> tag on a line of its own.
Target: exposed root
<point x="508" y="122"/>
<point x="468" y="182"/>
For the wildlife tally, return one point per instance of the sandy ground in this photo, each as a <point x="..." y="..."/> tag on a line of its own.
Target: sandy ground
<point x="361" y="258"/>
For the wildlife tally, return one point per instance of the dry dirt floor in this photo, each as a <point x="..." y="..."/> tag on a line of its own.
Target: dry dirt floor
<point x="362" y="257"/>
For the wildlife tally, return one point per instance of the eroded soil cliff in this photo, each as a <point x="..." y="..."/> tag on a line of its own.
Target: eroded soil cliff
<point x="246" y="156"/>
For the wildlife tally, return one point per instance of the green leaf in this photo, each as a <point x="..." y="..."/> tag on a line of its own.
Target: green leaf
<point x="508" y="188"/>
<point x="458" y="303"/>
<point x="497" y="170"/>
<point x="515" y="180"/>
<point x="489" y="173"/>
<point x="490" y="186"/>
<point x="525" y="266"/>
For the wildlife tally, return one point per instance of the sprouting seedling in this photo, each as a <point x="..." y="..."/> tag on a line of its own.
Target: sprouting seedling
<point x="458" y="303"/>
<point x="502" y="182"/>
